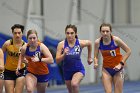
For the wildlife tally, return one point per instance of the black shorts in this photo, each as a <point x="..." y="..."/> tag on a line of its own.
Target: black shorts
<point x="11" y="75"/>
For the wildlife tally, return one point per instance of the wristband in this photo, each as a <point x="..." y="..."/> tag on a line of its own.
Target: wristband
<point x="122" y="63"/>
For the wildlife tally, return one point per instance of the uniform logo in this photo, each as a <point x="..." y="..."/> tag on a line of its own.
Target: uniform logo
<point x="113" y="53"/>
<point x="77" y="49"/>
<point x="74" y="51"/>
<point x="38" y="54"/>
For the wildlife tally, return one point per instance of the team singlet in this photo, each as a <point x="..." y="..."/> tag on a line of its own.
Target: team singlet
<point x="111" y="54"/>
<point x="12" y="56"/>
<point x="72" y="61"/>
<point x="38" y="68"/>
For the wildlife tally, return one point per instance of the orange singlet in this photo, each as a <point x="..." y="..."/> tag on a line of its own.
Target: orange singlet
<point x="38" y="68"/>
<point x="111" y="54"/>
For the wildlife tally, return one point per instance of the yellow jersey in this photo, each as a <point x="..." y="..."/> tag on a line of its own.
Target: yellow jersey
<point x="12" y="56"/>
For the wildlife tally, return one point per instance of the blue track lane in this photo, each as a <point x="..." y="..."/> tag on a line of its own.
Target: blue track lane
<point x="129" y="87"/>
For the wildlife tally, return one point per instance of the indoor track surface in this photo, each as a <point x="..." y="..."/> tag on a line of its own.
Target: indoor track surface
<point x="129" y="87"/>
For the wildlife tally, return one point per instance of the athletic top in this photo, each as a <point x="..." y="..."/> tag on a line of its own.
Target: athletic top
<point x="72" y="61"/>
<point x="111" y="54"/>
<point x="12" y="56"/>
<point x="37" y="68"/>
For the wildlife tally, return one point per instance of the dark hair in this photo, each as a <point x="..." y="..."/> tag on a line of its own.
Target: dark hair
<point x="32" y="31"/>
<point x="17" y="26"/>
<point x="106" y="24"/>
<point x="73" y="27"/>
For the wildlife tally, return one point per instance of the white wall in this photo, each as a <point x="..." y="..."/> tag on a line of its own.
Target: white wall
<point x="57" y="14"/>
<point x="56" y="17"/>
<point x="135" y="11"/>
<point x="86" y="31"/>
<point x="12" y="12"/>
<point x="130" y="35"/>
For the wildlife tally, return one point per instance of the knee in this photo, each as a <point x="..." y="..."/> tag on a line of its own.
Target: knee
<point x="74" y="84"/>
<point x="108" y="91"/>
<point x="29" y="90"/>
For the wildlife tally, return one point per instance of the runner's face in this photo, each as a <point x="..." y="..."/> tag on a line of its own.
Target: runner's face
<point x="17" y="34"/>
<point x="70" y="34"/>
<point x="105" y="32"/>
<point x="32" y="39"/>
